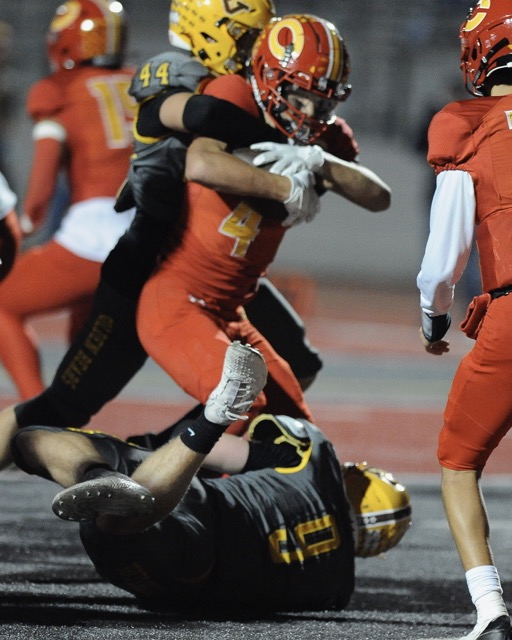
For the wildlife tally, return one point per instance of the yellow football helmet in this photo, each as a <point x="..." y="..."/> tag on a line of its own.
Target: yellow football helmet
<point x="381" y="508"/>
<point x="220" y="33"/>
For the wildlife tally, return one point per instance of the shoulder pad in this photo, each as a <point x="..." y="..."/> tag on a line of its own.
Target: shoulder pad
<point x="45" y="98"/>
<point x="169" y="69"/>
<point x="339" y="140"/>
<point x="450" y="138"/>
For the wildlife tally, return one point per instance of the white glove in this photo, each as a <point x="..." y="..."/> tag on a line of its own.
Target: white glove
<point x="303" y="202"/>
<point x="288" y="159"/>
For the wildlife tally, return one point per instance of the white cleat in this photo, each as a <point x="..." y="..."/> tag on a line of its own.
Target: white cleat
<point x="244" y="375"/>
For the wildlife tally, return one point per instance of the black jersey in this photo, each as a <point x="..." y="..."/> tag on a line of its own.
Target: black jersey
<point x="261" y="539"/>
<point x="157" y="165"/>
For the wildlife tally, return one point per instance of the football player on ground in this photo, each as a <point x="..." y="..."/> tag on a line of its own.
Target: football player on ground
<point x="83" y="116"/>
<point x="469" y="149"/>
<point x="282" y="537"/>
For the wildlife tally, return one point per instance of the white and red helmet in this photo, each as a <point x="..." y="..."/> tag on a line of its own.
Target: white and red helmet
<point x="87" y="31"/>
<point x="486" y="42"/>
<point x="304" y="53"/>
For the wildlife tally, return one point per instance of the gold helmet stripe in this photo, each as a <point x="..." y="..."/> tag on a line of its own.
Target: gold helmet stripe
<point x="113" y="14"/>
<point x="336" y="55"/>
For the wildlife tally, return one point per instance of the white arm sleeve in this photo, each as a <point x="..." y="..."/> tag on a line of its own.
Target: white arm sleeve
<point x="452" y="224"/>
<point x="49" y="129"/>
<point x="8" y="198"/>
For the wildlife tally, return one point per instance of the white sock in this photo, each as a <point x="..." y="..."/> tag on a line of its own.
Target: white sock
<point x="486" y="593"/>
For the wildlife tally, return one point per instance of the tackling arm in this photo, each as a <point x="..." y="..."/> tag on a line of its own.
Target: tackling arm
<point x="208" y="163"/>
<point x="213" y="117"/>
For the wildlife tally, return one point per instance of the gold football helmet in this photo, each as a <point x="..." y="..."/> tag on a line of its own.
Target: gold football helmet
<point x="220" y="33"/>
<point x="381" y="508"/>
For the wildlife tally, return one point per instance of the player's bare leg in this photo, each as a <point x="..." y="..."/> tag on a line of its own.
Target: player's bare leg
<point x="63" y="455"/>
<point x="467" y="517"/>
<point x="167" y="472"/>
<point x="8" y="427"/>
<point x="469" y="524"/>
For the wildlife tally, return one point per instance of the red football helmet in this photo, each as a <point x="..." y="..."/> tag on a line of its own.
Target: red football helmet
<point x="486" y="42"/>
<point x="92" y="31"/>
<point x="305" y="57"/>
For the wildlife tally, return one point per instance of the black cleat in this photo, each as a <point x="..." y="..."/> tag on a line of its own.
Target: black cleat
<point x="109" y="493"/>
<point x="498" y="629"/>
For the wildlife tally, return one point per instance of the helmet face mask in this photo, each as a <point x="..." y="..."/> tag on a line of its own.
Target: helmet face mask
<point x="87" y="32"/>
<point x="381" y="508"/>
<point x="486" y="43"/>
<point x="300" y="55"/>
<point x="304" y="115"/>
<point x="219" y="33"/>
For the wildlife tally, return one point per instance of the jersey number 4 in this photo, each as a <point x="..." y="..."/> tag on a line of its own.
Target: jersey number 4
<point x="242" y="224"/>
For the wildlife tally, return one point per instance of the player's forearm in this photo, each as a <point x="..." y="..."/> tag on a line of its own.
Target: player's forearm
<point x="208" y="164"/>
<point x="43" y="177"/>
<point x="355" y="182"/>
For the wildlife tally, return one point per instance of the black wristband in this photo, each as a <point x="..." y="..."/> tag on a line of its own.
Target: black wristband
<point x="435" y="327"/>
<point x="202" y="435"/>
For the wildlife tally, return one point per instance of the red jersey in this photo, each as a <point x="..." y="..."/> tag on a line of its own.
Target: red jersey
<point x="476" y="136"/>
<point x="339" y="140"/>
<point x="93" y="106"/>
<point x="227" y="245"/>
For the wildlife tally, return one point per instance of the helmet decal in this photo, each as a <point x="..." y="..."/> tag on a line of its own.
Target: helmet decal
<point x="479" y="16"/>
<point x="65" y="15"/>
<point x="287" y="40"/>
<point x="232" y="7"/>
